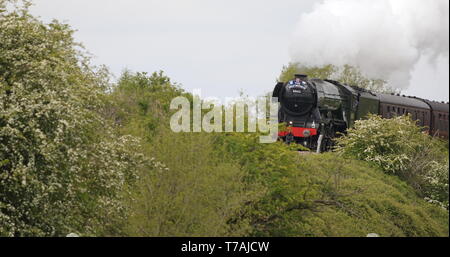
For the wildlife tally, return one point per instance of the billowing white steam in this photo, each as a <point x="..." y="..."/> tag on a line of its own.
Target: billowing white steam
<point x="384" y="38"/>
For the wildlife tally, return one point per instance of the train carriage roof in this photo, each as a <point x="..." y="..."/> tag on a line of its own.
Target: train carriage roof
<point x="403" y="100"/>
<point x="369" y="95"/>
<point x="438" y="106"/>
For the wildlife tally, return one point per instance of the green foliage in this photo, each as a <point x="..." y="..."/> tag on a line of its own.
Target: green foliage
<point x="199" y="194"/>
<point x="352" y="76"/>
<point x="400" y="147"/>
<point x="324" y="195"/>
<point x="346" y="74"/>
<point x="288" y="72"/>
<point x="351" y="198"/>
<point x="63" y="168"/>
<point x="142" y="100"/>
<point x="271" y="165"/>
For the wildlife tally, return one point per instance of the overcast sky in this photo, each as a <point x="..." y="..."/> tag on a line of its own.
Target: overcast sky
<point x="219" y="46"/>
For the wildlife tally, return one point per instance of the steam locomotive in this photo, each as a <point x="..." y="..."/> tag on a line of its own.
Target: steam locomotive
<point x="316" y="110"/>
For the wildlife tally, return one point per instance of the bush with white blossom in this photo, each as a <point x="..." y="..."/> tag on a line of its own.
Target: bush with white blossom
<point x="62" y="166"/>
<point x="400" y="147"/>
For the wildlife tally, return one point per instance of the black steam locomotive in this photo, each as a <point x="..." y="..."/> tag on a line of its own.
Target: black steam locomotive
<point x="316" y="110"/>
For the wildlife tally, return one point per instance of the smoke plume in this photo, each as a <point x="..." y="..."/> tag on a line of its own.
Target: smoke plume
<point x="384" y="38"/>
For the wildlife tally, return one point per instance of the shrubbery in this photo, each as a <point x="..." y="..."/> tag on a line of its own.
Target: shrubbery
<point x="63" y="168"/>
<point x="400" y="147"/>
<point x="198" y="192"/>
<point x="326" y="195"/>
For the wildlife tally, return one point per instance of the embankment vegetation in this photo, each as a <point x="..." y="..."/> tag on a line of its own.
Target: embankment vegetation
<point x="81" y="154"/>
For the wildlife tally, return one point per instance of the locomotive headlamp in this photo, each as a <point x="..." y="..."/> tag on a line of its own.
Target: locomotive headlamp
<point x="290" y="123"/>
<point x="306" y="133"/>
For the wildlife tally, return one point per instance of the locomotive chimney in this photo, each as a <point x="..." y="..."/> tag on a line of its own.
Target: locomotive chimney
<point x="301" y="76"/>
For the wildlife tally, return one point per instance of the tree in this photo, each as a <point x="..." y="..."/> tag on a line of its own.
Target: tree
<point x="62" y="166"/>
<point x="288" y="72"/>
<point x="346" y="74"/>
